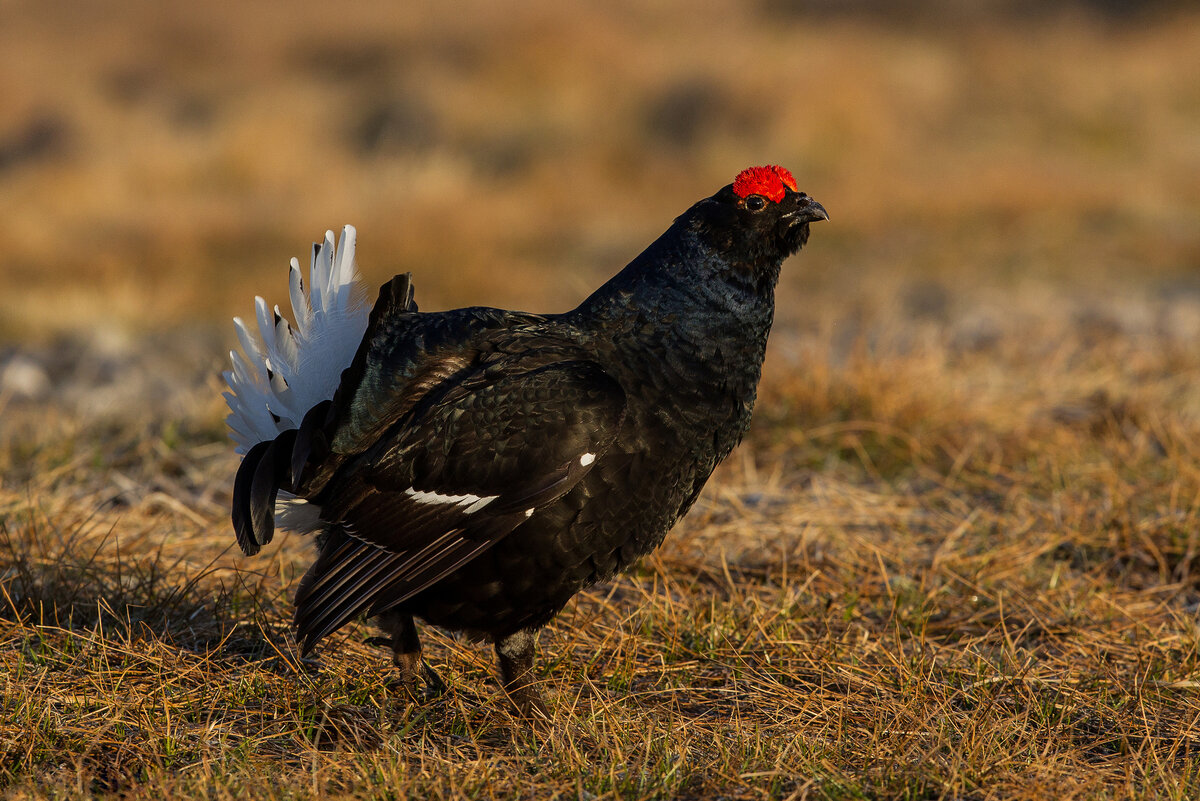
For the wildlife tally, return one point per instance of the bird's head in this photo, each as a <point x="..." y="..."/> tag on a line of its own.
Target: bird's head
<point x="759" y="219"/>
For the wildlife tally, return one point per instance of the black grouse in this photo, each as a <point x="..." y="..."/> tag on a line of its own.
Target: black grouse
<point x="476" y="468"/>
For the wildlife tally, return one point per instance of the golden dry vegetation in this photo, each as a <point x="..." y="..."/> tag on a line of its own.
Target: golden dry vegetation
<point x="953" y="559"/>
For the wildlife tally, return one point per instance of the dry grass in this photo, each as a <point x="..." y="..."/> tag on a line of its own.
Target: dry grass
<point x="953" y="559"/>
<point x="896" y="588"/>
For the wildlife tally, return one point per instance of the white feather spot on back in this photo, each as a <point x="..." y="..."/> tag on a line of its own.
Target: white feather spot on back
<point x="473" y="502"/>
<point x="479" y="504"/>
<point x="587" y="459"/>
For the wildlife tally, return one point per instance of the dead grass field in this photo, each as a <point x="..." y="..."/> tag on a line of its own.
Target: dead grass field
<point x="953" y="559"/>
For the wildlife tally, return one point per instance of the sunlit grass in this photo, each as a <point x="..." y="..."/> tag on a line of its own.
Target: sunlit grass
<point x="886" y="592"/>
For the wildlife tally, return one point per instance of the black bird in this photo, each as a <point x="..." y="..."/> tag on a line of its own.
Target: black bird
<point x="476" y="468"/>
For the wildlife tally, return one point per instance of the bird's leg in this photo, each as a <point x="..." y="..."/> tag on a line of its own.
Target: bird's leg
<point x="416" y="675"/>
<point x="516" y="670"/>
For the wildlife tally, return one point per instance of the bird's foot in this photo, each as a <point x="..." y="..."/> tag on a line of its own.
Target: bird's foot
<point x="420" y="681"/>
<point x="516" y="669"/>
<point x="529" y="702"/>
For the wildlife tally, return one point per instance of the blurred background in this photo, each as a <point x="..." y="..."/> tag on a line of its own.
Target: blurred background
<point x="995" y="170"/>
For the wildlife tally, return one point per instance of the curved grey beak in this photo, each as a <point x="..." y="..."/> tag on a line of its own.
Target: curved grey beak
<point x="811" y="211"/>
<point x="807" y="210"/>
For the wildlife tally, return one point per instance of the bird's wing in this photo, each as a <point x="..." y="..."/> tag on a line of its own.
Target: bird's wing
<point x="404" y="355"/>
<point x="473" y="460"/>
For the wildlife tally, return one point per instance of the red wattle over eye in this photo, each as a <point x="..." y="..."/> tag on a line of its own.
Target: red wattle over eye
<point x="771" y="182"/>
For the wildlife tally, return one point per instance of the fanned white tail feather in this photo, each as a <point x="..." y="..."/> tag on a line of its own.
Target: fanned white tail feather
<point x="286" y="370"/>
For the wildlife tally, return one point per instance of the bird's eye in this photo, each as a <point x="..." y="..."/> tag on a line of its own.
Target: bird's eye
<point x="755" y="203"/>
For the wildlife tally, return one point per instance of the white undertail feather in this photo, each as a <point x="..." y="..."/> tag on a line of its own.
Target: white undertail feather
<point x="297" y="514"/>
<point x="286" y="370"/>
